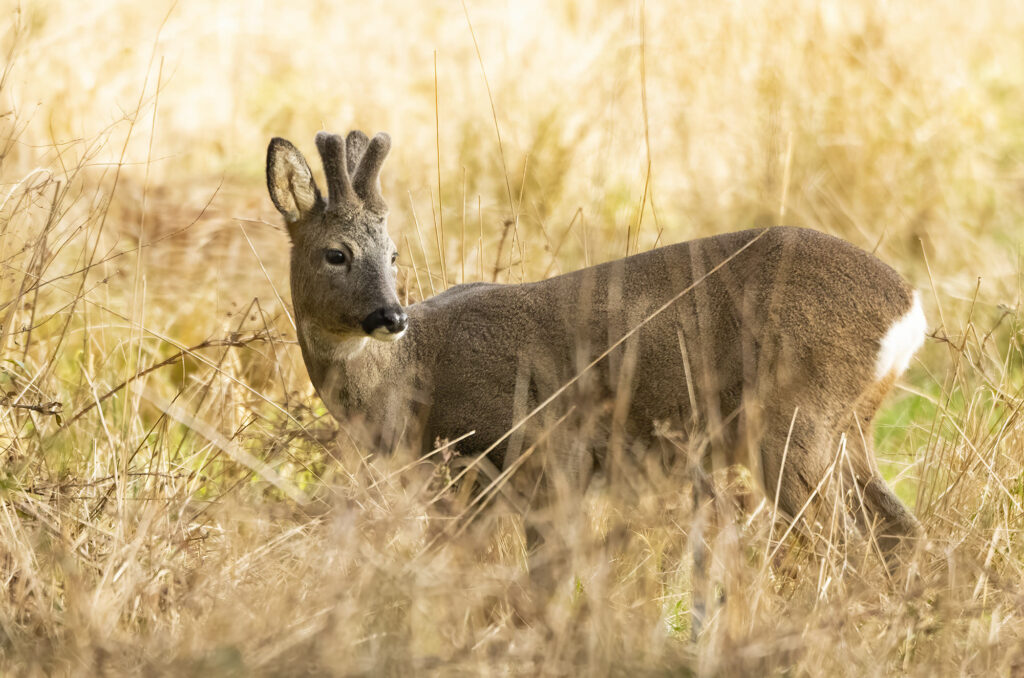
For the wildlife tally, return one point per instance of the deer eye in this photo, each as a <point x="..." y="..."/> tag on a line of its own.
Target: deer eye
<point x="394" y="258"/>
<point x="335" y="257"/>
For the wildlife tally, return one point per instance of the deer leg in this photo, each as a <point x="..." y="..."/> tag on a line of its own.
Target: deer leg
<point x="798" y="471"/>
<point x="539" y="557"/>
<point x="880" y="513"/>
<point x="546" y="549"/>
<point x="700" y="584"/>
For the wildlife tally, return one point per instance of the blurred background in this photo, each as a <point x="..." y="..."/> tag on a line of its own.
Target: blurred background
<point x="158" y="423"/>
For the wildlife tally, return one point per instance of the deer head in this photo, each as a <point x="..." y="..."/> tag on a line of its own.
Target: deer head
<point x="343" y="261"/>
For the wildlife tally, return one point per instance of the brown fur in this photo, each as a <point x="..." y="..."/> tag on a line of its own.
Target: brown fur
<point x="778" y="345"/>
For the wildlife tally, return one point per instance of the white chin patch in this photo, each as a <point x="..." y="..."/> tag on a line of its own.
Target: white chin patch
<point x="901" y="342"/>
<point x="382" y="334"/>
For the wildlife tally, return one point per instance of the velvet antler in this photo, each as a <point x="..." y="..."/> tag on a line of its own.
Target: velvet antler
<point x="353" y="174"/>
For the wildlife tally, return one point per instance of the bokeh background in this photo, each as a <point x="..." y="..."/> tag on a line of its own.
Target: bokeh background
<point x="160" y="439"/>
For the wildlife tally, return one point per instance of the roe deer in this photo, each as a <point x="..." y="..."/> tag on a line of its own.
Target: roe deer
<point x="777" y="343"/>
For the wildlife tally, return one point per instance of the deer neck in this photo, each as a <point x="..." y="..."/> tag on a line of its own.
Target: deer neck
<point x="351" y="374"/>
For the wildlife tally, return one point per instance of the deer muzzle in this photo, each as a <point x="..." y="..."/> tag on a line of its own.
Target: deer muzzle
<point x="386" y="324"/>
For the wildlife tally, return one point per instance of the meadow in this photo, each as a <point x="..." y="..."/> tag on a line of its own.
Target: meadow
<point x="174" y="498"/>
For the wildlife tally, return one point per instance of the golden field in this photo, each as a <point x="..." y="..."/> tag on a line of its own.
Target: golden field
<point x="174" y="499"/>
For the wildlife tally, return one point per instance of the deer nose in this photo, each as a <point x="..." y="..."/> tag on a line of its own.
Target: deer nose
<point x="393" y="319"/>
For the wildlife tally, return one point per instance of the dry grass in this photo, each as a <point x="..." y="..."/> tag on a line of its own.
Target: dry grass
<point x="158" y="429"/>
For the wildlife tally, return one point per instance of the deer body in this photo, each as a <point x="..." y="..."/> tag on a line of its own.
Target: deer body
<point x="777" y="344"/>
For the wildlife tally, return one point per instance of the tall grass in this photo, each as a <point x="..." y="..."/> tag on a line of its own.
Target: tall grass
<point x="175" y="500"/>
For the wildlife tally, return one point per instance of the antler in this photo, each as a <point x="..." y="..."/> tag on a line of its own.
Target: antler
<point x="353" y="174"/>
<point x="367" y="177"/>
<point x="339" y="184"/>
<point x="355" y="145"/>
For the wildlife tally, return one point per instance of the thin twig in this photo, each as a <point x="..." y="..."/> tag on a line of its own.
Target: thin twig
<point x="233" y="340"/>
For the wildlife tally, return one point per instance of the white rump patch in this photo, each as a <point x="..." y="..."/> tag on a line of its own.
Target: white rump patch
<point x="901" y="342"/>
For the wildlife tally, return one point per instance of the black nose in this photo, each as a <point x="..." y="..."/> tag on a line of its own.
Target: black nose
<point x="393" y="319"/>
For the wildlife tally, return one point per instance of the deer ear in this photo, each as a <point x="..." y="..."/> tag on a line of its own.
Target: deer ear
<point x="290" y="182"/>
